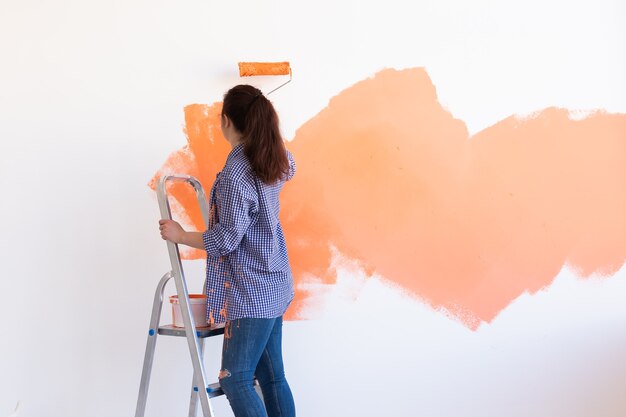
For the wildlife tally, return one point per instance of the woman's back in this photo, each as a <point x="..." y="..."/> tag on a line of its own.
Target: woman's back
<point x="249" y="273"/>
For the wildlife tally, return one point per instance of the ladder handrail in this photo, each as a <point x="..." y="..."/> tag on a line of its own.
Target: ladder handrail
<point x="162" y="196"/>
<point x="195" y="348"/>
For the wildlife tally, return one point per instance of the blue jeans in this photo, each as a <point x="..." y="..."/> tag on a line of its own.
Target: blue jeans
<point x="252" y="347"/>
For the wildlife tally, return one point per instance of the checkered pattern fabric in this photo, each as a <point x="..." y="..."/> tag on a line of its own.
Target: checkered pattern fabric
<point x="248" y="272"/>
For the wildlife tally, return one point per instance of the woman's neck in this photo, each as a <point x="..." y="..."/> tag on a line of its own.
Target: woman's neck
<point x="234" y="142"/>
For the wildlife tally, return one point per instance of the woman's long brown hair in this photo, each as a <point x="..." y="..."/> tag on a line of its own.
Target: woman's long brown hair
<point x="254" y="116"/>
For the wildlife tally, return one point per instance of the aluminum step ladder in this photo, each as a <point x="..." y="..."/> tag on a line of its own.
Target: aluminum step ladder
<point x="195" y="338"/>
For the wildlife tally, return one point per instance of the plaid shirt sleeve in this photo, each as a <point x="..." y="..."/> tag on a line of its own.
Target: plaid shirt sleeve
<point x="292" y="166"/>
<point x="237" y="202"/>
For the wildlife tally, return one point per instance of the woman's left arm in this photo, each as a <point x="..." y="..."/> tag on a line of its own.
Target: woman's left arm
<point x="237" y="200"/>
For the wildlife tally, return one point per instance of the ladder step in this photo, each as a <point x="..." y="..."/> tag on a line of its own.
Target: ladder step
<point x="202" y="332"/>
<point x="215" y="390"/>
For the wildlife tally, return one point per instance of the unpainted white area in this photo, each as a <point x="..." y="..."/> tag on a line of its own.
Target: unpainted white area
<point x="91" y="103"/>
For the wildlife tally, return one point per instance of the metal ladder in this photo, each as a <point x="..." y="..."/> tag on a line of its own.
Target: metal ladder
<point x="195" y="338"/>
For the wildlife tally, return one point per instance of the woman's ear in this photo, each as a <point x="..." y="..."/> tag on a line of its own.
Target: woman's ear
<point x="226" y="122"/>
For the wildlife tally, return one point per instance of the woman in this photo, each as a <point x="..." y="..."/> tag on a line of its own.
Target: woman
<point x="249" y="282"/>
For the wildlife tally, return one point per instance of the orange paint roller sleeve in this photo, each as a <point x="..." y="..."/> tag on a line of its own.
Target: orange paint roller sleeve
<point x="247" y="69"/>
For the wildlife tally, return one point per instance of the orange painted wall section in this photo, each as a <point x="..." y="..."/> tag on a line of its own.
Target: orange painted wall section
<point x="467" y="224"/>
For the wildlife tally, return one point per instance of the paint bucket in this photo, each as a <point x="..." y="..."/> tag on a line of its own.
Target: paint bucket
<point x="197" y="302"/>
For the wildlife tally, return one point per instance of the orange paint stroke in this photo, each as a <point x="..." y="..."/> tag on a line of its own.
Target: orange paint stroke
<point x="390" y="178"/>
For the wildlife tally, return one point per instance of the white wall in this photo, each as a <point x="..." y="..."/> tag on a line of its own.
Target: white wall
<point x="91" y="104"/>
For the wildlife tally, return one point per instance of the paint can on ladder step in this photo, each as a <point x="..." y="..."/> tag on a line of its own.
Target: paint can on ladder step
<point x="197" y="302"/>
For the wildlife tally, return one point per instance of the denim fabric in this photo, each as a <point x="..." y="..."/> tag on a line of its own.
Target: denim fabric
<point x="252" y="347"/>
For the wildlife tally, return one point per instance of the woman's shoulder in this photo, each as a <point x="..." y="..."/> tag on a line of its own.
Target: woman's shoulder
<point x="237" y="164"/>
<point x="238" y="174"/>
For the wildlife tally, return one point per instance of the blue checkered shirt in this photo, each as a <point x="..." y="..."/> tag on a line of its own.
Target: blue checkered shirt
<point x="248" y="272"/>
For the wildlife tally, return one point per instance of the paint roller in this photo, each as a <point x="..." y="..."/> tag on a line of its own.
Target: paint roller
<point x="249" y="69"/>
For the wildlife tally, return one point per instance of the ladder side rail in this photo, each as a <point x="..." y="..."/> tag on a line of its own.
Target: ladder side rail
<point x="153" y="332"/>
<point x="202" y="200"/>
<point x="193" y="399"/>
<point x="181" y="288"/>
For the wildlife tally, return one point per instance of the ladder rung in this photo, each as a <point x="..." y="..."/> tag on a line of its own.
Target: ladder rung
<point x="215" y="390"/>
<point x="202" y="332"/>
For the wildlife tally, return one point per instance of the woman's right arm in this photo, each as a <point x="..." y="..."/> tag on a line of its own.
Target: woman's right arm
<point x="173" y="231"/>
